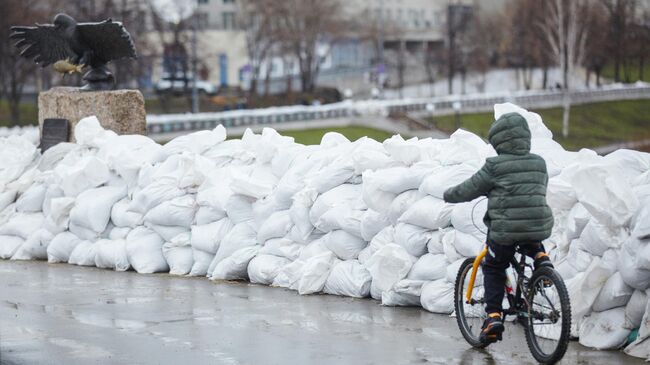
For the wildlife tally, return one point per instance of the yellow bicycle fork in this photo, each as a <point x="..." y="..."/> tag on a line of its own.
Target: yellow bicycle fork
<point x="472" y="278"/>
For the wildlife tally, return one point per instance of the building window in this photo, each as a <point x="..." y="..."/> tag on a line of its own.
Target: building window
<point x="228" y="18"/>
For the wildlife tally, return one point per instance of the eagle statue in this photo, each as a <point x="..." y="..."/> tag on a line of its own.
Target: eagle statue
<point x="70" y="46"/>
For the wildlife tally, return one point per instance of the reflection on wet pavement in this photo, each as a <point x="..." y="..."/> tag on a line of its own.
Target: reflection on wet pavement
<point x="71" y="315"/>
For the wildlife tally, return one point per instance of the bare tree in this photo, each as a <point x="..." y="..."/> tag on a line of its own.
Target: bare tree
<point x="257" y="17"/>
<point x="458" y="17"/>
<point x="621" y="13"/>
<point x="563" y="24"/>
<point x="309" y="28"/>
<point x="597" y="52"/>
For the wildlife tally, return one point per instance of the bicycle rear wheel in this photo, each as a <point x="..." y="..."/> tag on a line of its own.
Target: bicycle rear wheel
<point x="549" y="316"/>
<point x="470" y="316"/>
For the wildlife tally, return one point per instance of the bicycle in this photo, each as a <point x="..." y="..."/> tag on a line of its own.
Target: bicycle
<point x="547" y="322"/>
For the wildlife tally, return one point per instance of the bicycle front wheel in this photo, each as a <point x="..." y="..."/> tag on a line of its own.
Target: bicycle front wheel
<point x="470" y="316"/>
<point x="549" y="316"/>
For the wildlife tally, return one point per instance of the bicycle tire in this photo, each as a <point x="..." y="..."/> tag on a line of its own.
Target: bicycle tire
<point x="459" y="299"/>
<point x="547" y="273"/>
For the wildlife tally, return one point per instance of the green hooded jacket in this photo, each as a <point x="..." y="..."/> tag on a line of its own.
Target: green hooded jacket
<point x="515" y="184"/>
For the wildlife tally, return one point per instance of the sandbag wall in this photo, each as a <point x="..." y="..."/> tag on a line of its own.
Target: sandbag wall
<point x="358" y="219"/>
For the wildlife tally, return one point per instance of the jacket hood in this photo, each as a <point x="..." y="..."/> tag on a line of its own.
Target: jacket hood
<point x="510" y="135"/>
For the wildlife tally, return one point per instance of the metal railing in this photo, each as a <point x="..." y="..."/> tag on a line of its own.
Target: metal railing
<point x="174" y="123"/>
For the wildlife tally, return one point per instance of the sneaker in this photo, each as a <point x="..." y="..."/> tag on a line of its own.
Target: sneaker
<point x="542" y="260"/>
<point x="492" y="329"/>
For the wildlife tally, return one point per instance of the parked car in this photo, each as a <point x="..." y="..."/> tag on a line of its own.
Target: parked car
<point x="180" y="85"/>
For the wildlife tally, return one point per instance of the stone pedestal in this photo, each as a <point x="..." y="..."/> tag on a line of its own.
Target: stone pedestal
<point x="121" y="111"/>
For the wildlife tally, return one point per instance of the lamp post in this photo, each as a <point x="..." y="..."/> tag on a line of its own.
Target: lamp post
<point x="457" y="105"/>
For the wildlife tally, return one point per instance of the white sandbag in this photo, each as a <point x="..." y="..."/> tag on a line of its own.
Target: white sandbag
<point x="604" y="330"/>
<point x="371" y="223"/>
<point x="197" y="142"/>
<point x="258" y="183"/>
<point x="239" y="208"/>
<point x="111" y="254"/>
<point x="22" y="224"/>
<point x="605" y="193"/>
<point x="154" y="194"/>
<point x="560" y="194"/>
<point x="444" y="177"/>
<point x="406" y="152"/>
<point x="632" y="163"/>
<point x="413" y="238"/>
<point x="167" y="232"/>
<point x="262" y="269"/>
<point x="87" y="173"/>
<point x="429" y="267"/>
<point x="118" y="233"/>
<point x="202" y="262"/>
<point x="282" y="247"/>
<point x="381" y="239"/>
<point x="639" y="348"/>
<point x="468" y="218"/>
<point x="428" y="212"/>
<point x="206" y="215"/>
<point x="467" y="245"/>
<point x="452" y="270"/>
<point x="84" y="233"/>
<point x="32" y="199"/>
<point x="345" y="245"/>
<point x="240" y="236"/>
<point x="577" y="257"/>
<point x="438" y="296"/>
<point x="402" y="203"/>
<point x="405" y="293"/>
<point x="374" y="197"/>
<point x="93" y="207"/>
<point x="299" y="211"/>
<point x="435" y="245"/>
<point x="584" y="289"/>
<point x="52" y="191"/>
<point x="577" y="221"/>
<point x="6" y="198"/>
<point x="348" y="195"/>
<point x="633" y="264"/>
<point x="16" y="153"/>
<point x="178" y="254"/>
<point x="641" y="222"/>
<point x="122" y="217"/>
<point x="388" y="265"/>
<point x="276" y="225"/>
<point x="341" y="217"/>
<point x="89" y="132"/>
<point x="328" y="178"/>
<point x="348" y="278"/>
<point x="397" y="180"/>
<point x="175" y="212"/>
<point x="61" y="247"/>
<point x="597" y="238"/>
<point x="60" y="209"/>
<point x="144" y="251"/>
<point x="615" y="293"/>
<point x="208" y="237"/>
<point x="263" y="208"/>
<point x="635" y="309"/>
<point x="83" y="254"/>
<point x="235" y="266"/>
<point x="9" y="245"/>
<point x="315" y="272"/>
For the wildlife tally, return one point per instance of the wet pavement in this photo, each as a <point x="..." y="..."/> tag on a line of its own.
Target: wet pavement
<point x="64" y="314"/>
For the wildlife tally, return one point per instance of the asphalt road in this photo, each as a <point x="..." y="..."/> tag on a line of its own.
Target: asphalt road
<point x="63" y="314"/>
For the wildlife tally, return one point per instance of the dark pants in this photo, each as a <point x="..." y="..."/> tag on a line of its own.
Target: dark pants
<point x="494" y="271"/>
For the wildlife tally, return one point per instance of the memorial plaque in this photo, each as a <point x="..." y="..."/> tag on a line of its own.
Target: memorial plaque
<point x="54" y="132"/>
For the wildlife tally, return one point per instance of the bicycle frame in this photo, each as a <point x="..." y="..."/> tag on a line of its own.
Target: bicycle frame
<point x="513" y="300"/>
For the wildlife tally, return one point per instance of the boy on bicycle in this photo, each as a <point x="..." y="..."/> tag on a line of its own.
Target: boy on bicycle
<point x="515" y="184"/>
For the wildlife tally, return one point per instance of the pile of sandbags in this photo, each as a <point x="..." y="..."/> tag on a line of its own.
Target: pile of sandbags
<point x="359" y="219"/>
